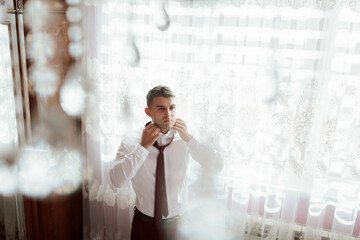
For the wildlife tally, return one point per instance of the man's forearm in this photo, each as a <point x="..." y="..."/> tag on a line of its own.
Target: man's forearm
<point x="126" y="164"/>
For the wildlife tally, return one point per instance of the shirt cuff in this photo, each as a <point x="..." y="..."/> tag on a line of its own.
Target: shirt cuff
<point x="192" y="142"/>
<point x="140" y="152"/>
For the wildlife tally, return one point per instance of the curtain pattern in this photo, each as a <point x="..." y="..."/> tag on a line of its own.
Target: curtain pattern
<point x="273" y="86"/>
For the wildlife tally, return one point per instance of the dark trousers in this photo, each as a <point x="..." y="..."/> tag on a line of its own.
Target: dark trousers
<point x="144" y="228"/>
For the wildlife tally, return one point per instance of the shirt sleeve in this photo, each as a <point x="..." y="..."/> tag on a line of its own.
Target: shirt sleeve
<point x="205" y="155"/>
<point x="127" y="163"/>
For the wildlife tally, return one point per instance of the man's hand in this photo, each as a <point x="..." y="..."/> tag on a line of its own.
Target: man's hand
<point x="180" y="126"/>
<point x="149" y="135"/>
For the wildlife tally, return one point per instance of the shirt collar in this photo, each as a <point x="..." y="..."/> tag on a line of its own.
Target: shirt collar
<point x="165" y="138"/>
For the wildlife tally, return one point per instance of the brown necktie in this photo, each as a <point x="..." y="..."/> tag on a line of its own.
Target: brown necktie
<point x="161" y="205"/>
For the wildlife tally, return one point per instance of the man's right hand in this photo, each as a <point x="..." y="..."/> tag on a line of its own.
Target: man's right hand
<point x="149" y="135"/>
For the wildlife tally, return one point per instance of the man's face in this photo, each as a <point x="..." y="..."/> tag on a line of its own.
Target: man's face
<point x="162" y="112"/>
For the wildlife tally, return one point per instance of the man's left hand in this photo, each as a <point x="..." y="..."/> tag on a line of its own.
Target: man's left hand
<point x="181" y="127"/>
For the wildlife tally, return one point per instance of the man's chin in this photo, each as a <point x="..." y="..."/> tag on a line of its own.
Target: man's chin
<point x="166" y="128"/>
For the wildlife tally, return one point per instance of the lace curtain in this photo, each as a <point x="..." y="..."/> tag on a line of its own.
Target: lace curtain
<point x="273" y="86"/>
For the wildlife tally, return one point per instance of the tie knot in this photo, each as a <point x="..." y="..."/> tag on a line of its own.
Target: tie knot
<point x="161" y="148"/>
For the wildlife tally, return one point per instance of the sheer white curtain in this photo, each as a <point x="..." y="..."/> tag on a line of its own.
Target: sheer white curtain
<point x="273" y="86"/>
<point x="9" y="208"/>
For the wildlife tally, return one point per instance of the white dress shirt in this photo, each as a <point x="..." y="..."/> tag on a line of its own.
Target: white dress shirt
<point x="138" y="164"/>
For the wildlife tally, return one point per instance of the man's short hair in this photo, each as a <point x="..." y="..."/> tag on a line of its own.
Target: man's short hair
<point x="158" y="91"/>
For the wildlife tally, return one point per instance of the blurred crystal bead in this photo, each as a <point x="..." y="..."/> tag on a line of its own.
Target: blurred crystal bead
<point x="132" y="52"/>
<point x="268" y="83"/>
<point x="268" y="89"/>
<point x="45" y="81"/>
<point x="35" y="14"/>
<point x="75" y="33"/>
<point x="73" y="2"/>
<point x="205" y="218"/>
<point x="76" y="49"/>
<point x="8" y="178"/>
<point x="68" y="171"/>
<point x="44" y="169"/>
<point x="72" y="96"/>
<point x="355" y="5"/>
<point x="73" y="14"/>
<point x="41" y="47"/>
<point x="34" y="177"/>
<point x="162" y="20"/>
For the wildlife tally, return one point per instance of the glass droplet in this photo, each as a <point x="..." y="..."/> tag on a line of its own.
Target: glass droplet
<point x="268" y="82"/>
<point x="35" y="14"/>
<point x="41" y="47"/>
<point x="34" y="165"/>
<point x="73" y="14"/>
<point x="132" y="52"/>
<point x="72" y="96"/>
<point x="355" y="5"/>
<point x="75" y="33"/>
<point x="73" y="2"/>
<point x="162" y="20"/>
<point x="76" y="49"/>
<point x="68" y="172"/>
<point x="45" y="81"/>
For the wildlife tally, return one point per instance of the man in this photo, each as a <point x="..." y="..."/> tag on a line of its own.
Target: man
<point x="156" y="160"/>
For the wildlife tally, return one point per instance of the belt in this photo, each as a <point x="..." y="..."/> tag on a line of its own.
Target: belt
<point x="149" y="219"/>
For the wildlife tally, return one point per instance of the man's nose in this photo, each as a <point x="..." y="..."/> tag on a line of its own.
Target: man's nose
<point x="167" y="112"/>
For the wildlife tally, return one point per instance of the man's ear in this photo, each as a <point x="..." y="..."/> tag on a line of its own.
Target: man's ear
<point x="147" y="111"/>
